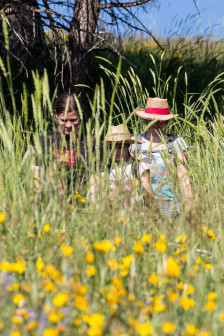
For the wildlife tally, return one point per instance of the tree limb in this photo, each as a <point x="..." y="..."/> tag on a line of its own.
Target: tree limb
<point x="18" y="59"/>
<point x="123" y="5"/>
<point x="47" y="11"/>
<point x="150" y="34"/>
<point x="113" y="49"/>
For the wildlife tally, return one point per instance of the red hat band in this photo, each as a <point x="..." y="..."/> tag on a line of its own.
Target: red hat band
<point x="157" y="111"/>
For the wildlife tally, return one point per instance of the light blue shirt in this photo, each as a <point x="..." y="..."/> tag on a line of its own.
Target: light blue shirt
<point x="161" y="159"/>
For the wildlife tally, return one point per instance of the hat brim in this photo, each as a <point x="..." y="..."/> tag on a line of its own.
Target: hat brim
<point x="141" y="113"/>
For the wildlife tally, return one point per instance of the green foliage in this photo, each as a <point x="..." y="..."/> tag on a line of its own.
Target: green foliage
<point x="184" y="69"/>
<point x="44" y="272"/>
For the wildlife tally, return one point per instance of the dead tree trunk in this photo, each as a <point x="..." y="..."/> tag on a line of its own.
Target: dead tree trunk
<point x="81" y="41"/>
<point x="26" y="37"/>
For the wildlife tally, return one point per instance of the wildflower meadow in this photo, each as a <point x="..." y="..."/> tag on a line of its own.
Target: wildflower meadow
<point x="72" y="267"/>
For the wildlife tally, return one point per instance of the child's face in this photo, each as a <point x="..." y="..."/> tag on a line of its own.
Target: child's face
<point x="122" y="151"/>
<point x="68" y="121"/>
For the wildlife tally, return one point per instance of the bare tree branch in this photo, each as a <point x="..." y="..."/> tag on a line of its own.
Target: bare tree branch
<point x="47" y="11"/>
<point x="18" y="59"/>
<point x="113" y="49"/>
<point x="123" y="5"/>
<point x="150" y="34"/>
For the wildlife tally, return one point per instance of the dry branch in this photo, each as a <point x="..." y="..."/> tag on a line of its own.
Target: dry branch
<point x="123" y="5"/>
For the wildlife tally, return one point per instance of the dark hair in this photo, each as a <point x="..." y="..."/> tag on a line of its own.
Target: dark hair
<point x="61" y="103"/>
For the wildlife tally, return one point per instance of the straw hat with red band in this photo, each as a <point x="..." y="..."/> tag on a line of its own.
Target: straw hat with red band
<point x="120" y="133"/>
<point x="156" y="108"/>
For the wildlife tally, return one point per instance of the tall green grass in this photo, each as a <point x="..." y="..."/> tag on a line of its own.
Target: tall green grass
<point x="200" y="57"/>
<point x="23" y="237"/>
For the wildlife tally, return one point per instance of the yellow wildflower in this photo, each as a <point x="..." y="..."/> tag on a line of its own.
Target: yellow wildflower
<point x="82" y="290"/>
<point x="199" y="260"/>
<point x="51" y="332"/>
<point x="146" y="238"/>
<point x="124" y="270"/>
<point x="54" y="316"/>
<point x="50" y="287"/>
<point x="117" y="240"/>
<point x="116" y="282"/>
<point x="15" y="333"/>
<point x="180" y="285"/>
<point x="172" y="267"/>
<point x="112" y="298"/>
<point x="91" y="271"/>
<point x="158" y="305"/>
<point x="60" y="299"/>
<point x="67" y="250"/>
<point x="77" y="195"/>
<point x="14" y="287"/>
<point x="128" y="260"/>
<point x="144" y="329"/>
<point x="94" y="332"/>
<point x="184" y="258"/>
<point x="17" y="319"/>
<point x="160" y="245"/>
<point x="190" y="289"/>
<point x="19" y="267"/>
<point x="1" y="324"/>
<point x="210" y="234"/>
<point x="138" y="247"/>
<point x="77" y="322"/>
<point x="191" y="330"/>
<point x="131" y="297"/>
<point x="122" y="220"/>
<point x="81" y="303"/>
<point x="39" y="264"/>
<point x="31" y="325"/>
<point x="18" y="299"/>
<point x="153" y="278"/>
<point x="132" y="321"/>
<point x="186" y="303"/>
<point x="173" y="296"/>
<point x="22" y="312"/>
<point x="210" y="306"/>
<point x="2" y="217"/>
<point x="96" y="320"/>
<point x="112" y="264"/>
<point x="46" y="228"/>
<point x="7" y="267"/>
<point x="177" y="252"/>
<point x="168" y="327"/>
<point x="89" y="258"/>
<point x="208" y="267"/>
<point x="181" y="239"/>
<point x="212" y="296"/>
<point x="222" y="317"/>
<point x="52" y="271"/>
<point x="104" y="246"/>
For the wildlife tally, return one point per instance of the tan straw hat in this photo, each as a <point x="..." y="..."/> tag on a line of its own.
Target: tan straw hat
<point x="119" y="133"/>
<point x="156" y="108"/>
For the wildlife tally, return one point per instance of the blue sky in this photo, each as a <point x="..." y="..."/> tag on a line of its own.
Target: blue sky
<point x="181" y="17"/>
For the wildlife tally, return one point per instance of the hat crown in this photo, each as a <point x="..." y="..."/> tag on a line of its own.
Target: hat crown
<point x="118" y="133"/>
<point x="157" y="103"/>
